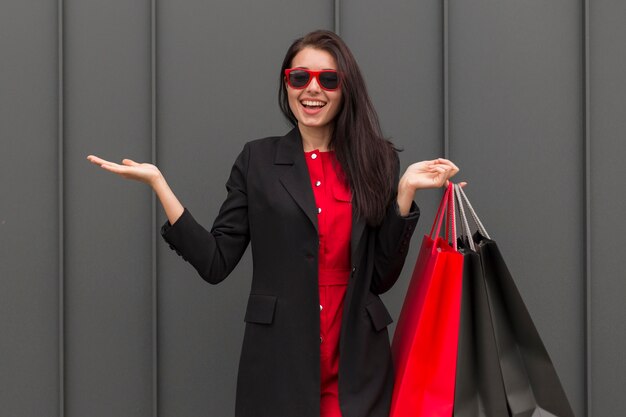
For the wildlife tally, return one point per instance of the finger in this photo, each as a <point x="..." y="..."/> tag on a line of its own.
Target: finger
<point x="112" y="167"/>
<point x="445" y="171"/>
<point x="438" y="161"/>
<point x="98" y="161"/>
<point x="446" y="162"/>
<point x="129" y="162"/>
<point x="449" y="170"/>
<point x="443" y="161"/>
<point x="452" y="172"/>
<point x="446" y="166"/>
<point x="439" y="169"/>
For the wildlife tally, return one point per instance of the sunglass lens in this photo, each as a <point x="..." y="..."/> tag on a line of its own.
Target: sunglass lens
<point x="298" y="79"/>
<point x="329" y="80"/>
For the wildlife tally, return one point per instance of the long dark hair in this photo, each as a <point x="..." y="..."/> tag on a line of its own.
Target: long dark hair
<point x="369" y="161"/>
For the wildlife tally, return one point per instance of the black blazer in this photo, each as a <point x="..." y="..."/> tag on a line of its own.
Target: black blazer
<point x="270" y="203"/>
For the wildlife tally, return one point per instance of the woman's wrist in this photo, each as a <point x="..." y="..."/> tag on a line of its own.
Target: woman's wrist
<point x="173" y="208"/>
<point x="158" y="182"/>
<point x="405" y="197"/>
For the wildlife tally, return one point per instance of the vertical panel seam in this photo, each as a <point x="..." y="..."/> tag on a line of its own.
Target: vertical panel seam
<point x="153" y="156"/>
<point x="446" y="80"/>
<point x="337" y="17"/>
<point x="61" y="208"/>
<point x="587" y="197"/>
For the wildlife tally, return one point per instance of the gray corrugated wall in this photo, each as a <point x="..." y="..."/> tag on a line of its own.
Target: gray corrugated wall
<point x="607" y="110"/>
<point x="98" y="317"/>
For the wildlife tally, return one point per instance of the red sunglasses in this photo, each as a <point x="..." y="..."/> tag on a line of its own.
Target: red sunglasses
<point x="299" y="78"/>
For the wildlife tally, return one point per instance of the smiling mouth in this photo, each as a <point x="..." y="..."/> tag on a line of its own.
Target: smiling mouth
<point x="312" y="104"/>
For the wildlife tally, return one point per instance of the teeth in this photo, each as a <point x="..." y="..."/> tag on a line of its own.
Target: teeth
<point x="313" y="103"/>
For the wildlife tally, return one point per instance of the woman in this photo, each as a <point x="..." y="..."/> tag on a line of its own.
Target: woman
<point x="329" y="223"/>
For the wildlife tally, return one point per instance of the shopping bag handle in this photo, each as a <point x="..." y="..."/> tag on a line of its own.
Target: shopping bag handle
<point x="436" y="222"/>
<point x="443" y="205"/>
<point x="450" y="217"/>
<point x="446" y="209"/>
<point x="465" y="226"/>
<point x="463" y="202"/>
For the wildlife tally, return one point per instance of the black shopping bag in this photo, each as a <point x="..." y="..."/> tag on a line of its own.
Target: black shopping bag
<point x="504" y="368"/>
<point x="479" y="391"/>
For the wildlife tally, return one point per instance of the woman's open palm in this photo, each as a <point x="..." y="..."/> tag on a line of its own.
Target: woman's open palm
<point x="129" y="169"/>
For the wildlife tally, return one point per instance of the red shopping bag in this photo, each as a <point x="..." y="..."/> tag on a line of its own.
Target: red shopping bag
<point x="426" y="338"/>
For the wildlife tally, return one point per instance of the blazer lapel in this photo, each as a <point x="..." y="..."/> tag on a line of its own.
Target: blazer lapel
<point x="296" y="179"/>
<point x="358" y="226"/>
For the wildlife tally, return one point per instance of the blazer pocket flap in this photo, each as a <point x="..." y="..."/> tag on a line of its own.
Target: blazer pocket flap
<point x="378" y="314"/>
<point x="260" y="309"/>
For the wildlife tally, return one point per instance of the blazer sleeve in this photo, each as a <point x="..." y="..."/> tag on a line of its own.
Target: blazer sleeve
<point x="393" y="237"/>
<point x="215" y="254"/>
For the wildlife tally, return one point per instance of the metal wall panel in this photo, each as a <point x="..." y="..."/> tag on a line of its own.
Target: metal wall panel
<point x="28" y="210"/>
<point x="218" y="73"/>
<point x="516" y="90"/>
<point x="607" y="60"/>
<point x="107" y="220"/>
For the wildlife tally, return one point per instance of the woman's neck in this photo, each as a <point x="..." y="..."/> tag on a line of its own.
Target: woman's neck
<point x="315" y="138"/>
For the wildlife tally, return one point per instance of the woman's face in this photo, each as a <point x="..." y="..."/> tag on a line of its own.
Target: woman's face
<point x="313" y="106"/>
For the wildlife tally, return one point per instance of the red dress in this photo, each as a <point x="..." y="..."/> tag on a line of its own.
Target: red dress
<point x="334" y="226"/>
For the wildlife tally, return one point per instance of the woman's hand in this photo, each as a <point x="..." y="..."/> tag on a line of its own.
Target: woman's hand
<point x="148" y="174"/>
<point x="428" y="174"/>
<point x="425" y="174"/>
<point x="130" y="169"/>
